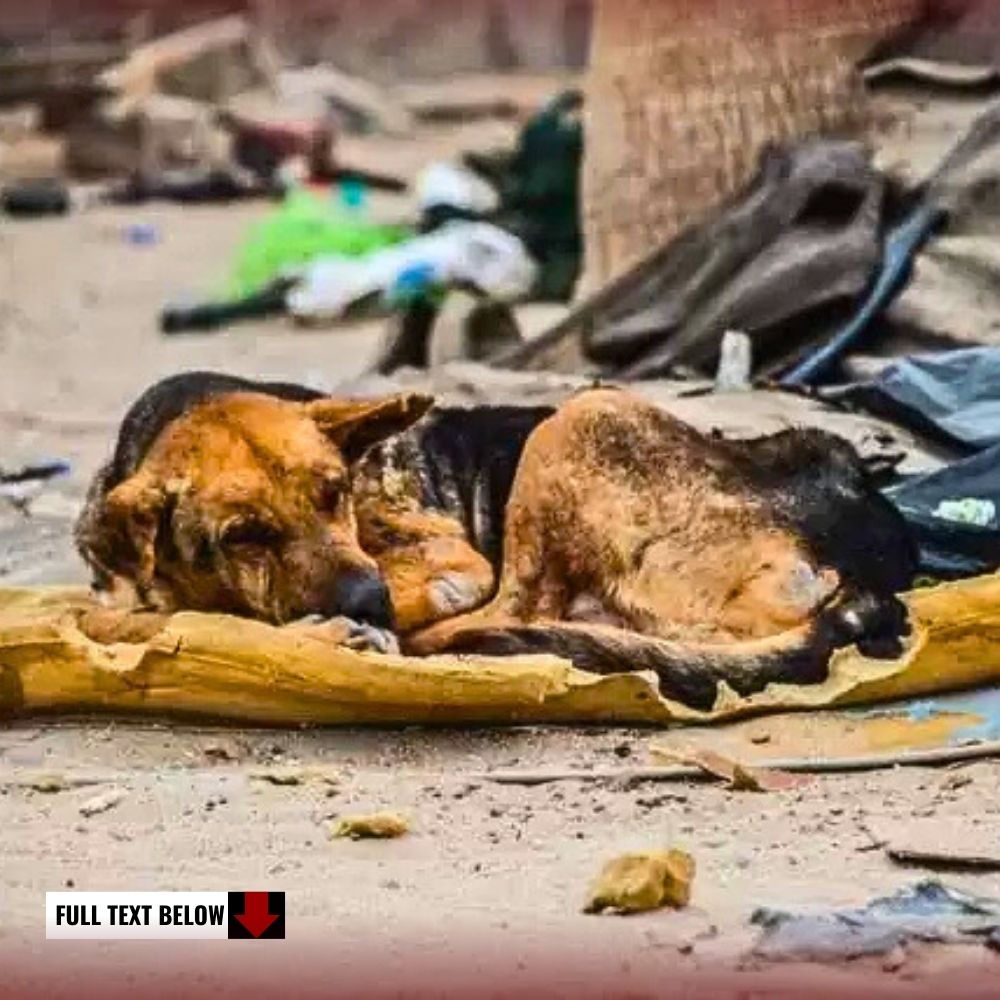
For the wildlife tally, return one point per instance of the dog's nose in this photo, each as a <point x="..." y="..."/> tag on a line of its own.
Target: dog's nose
<point x="363" y="597"/>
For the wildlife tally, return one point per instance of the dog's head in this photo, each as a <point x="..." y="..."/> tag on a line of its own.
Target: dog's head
<point x="244" y="505"/>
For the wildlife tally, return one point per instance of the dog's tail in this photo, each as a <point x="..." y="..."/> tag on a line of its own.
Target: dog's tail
<point x="688" y="672"/>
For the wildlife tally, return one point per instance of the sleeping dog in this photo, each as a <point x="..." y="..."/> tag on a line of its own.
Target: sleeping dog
<point x="604" y="531"/>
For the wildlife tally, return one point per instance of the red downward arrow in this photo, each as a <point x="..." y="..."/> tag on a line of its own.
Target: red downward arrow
<point x="256" y="917"/>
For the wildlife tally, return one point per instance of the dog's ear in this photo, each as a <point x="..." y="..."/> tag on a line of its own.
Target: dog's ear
<point x="132" y="515"/>
<point x="354" y="426"/>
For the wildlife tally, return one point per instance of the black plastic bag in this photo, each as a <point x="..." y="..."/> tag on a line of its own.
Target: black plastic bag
<point x="950" y="548"/>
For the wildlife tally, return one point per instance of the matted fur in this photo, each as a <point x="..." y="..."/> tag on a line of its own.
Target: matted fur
<point x="606" y="531"/>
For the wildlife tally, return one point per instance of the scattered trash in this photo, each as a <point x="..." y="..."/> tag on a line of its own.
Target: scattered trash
<point x="304" y="228"/>
<point x="925" y="912"/>
<point x="968" y="510"/>
<point x="205" y="317"/>
<point x="33" y="198"/>
<point x="814" y="207"/>
<point x="142" y="234"/>
<point x="740" y="777"/>
<point x="735" y="363"/>
<point x="539" y="188"/>
<point x="902" y="244"/>
<point x="39" y="472"/>
<point x="379" y="826"/>
<point x="634" y="883"/>
<point x="22" y="486"/>
<point x="459" y="253"/>
<point x="187" y="186"/>
<point x="952" y="548"/>
<point x="449" y="185"/>
<point x="103" y="802"/>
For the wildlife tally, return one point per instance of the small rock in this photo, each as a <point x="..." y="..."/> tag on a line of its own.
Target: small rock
<point x="378" y="826"/>
<point x="221" y="752"/>
<point x="49" y="784"/>
<point x="956" y="781"/>
<point x="103" y="802"/>
<point x="291" y="776"/>
<point x="895" y="959"/>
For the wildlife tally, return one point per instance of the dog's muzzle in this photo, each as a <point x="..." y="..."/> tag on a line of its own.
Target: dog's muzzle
<point x="363" y="597"/>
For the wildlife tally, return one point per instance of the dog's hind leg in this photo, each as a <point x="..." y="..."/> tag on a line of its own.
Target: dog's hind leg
<point x="431" y="570"/>
<point x="433" y="580"/>
<point x="532" y="586"/>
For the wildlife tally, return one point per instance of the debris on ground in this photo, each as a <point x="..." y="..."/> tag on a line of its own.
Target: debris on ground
<point x="21" y="486"/>
<point x="943" y="859"/>
<point x="377" y="826"/>
<point x="33" y="198"/>
<point x="291" y="776"/>
<point x="635" y="883"/>
<point x="103" y="802"/>
<point x="926" y="912"/>
<point x="48" y="784"/>
<point x="225" y="752"/>
<point x="740" y="777"/>
<point x="816" y="206"/>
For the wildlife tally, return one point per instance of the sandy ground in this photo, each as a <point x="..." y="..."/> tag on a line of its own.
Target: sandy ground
<point x="484" y="895"/>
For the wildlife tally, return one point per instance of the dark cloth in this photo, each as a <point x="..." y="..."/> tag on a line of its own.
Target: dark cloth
<point x="950" y="549"/>
<point x="952" y="396"/>
<point x="539" y="188"/>
<point x="786" y="261"/>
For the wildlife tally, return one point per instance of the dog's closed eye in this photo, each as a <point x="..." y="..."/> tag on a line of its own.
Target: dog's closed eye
<point x="250" y="532"/>
<point x="332" y="493"/>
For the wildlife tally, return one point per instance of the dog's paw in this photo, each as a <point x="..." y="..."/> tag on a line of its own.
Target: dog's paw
<point x="453" y="593"/>
<point x="347" y="632"/>
<point x="366" y="638"/>
<point x="877" y="625"/>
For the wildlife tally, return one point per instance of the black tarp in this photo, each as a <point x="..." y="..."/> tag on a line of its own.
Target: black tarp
<point x="948" y="548"/>
<point x="954" y="398"/>
<point x="785" y="261"/>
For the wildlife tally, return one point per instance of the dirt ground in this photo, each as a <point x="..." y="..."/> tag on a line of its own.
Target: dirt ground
<point x="483" y="897"/>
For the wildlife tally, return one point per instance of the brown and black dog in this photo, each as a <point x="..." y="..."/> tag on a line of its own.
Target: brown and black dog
<point x="605" y="531"/>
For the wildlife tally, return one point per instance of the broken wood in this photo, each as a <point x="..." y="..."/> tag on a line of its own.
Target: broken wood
<point x="140" y="75"/>
<point x="944" y="860"/>
<point x="801" y="765"/>
<point x="740" y="777"/>
<point x="29" y="73"/>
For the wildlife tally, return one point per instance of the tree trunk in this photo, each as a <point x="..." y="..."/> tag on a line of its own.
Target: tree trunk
<point x="683" y="95"/>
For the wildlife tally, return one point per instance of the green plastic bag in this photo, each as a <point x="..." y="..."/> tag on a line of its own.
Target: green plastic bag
<point x="305" y="227"/>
